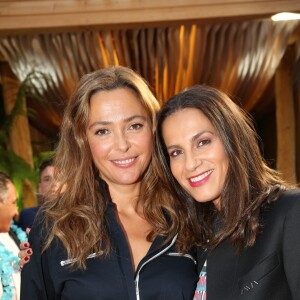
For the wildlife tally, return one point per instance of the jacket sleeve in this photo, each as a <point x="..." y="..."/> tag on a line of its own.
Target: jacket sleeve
<point x="32" y="276"/>
<point x="291" y="244"/>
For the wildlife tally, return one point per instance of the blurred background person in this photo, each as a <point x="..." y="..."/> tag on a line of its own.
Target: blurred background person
<point x="46" y="173"/>
<point x="10" y="237"/>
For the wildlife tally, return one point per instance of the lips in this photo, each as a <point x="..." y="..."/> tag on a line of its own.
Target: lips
<point x="124" y="163"/>
<point x="200" y="179"/>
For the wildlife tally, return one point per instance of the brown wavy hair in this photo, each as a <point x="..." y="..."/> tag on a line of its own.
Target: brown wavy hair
<point x="77" y="216"/>
<point x="250" y="184"/>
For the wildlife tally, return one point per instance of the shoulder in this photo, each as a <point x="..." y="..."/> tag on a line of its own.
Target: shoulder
<point x="285" y="209"/>
<point x="288" y="200"/>
<point x="28" y="211"/>
<point x="291" y="194"/>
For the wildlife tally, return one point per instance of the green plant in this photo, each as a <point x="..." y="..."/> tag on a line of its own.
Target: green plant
<point x="10" y="163"/>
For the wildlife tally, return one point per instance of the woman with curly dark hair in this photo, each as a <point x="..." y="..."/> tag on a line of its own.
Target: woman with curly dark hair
<point x="247" y="218"/>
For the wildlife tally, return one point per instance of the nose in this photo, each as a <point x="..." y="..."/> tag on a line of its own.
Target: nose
<point x="122" y="142"/>
<point x="191" y="161"/>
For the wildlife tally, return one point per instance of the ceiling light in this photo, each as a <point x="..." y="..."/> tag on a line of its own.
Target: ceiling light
<point x="285" y="16"/>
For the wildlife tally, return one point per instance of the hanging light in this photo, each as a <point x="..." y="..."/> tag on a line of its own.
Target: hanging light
<point x="285" y="16"/>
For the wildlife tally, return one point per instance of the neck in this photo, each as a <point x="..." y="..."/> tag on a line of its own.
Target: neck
<point x="126" y="197"/>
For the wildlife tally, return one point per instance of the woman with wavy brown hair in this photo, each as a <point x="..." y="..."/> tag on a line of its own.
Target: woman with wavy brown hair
<point x="247" y="218"/>
<point x="116" y="231"/>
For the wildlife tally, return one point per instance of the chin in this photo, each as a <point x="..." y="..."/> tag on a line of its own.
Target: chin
<point x="128" y="181"/>
<point x="210" y="198"/>
<point x="201" y="200"/>
<point x="204" y="199"/>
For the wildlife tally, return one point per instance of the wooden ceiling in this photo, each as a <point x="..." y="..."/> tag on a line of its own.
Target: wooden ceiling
<point x="48" y="15"/>
<point x="27" y="22"/>
<point x="228" y="43"/>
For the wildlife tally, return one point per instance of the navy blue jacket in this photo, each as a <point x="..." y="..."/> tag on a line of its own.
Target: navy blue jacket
<point x="162" y="274"/>
<point x="27" y="216"/>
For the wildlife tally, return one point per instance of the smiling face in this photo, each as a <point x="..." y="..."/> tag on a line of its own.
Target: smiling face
<point x="120" y="137"/>
<point x="197" y="155"/>
<point x="8" y="208"/>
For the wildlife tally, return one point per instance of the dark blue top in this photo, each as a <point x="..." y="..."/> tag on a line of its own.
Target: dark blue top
<point x="162" y="274"/>
<point x="27" y="216"/>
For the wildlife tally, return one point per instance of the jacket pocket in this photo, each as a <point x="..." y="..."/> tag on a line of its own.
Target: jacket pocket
<point x="253" y="279"/>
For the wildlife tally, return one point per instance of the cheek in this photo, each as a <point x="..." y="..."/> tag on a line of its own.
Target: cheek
<point x="225" y="162"/>
<point x="149" y="145"/>
<point x="13" y="211"/>
<point x="8" y="213"/>
<point x="144" y="142"/>
<point x="175" y="170"/>
<point x="44" y="185"/>
<point x="98" y="149"/>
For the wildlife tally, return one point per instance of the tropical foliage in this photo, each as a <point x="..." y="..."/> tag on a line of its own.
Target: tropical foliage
<point x="10" y="163"/>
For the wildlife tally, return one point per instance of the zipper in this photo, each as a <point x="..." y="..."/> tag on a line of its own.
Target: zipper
<point x="71" y="260"/>
<point x="183" y="255"/>
<point x="137" y="292"/>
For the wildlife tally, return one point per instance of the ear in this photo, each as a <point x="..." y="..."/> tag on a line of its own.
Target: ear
<point x="1" y="201"/>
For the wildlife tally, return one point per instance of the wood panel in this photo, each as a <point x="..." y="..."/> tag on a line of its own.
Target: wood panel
<point x="40" y="15"/>
<point x="285" y="118"/>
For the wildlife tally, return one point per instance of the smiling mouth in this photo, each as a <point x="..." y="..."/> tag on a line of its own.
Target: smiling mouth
<point x="201" y="177"/>
<point x="124" y="162"/>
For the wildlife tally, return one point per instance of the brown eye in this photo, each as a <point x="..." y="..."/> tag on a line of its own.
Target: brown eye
<point x="175" y="153"/>
<point x="136" y="126"/>
<point x="204" y="142"/>
<point x="102" y="132"/>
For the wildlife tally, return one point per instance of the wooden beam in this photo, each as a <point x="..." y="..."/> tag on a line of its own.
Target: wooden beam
<point x="18" y="16"/>
<point x="297" y="114"/>
<point x="285" y="117"/>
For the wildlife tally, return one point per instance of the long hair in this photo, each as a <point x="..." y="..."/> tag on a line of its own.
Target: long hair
<point x="77" y="215"/>
<point x="249" y="185"/>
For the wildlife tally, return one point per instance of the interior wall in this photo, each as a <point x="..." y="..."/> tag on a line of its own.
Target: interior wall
<point x="266" y="129"/>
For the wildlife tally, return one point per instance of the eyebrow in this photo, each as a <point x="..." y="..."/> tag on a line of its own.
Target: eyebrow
<point x="129" y="119"/>
<point x="193" y="138"/>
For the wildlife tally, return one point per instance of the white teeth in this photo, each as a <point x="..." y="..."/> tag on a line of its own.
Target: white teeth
<point x="124" y="162"/>
<point x="202" y="176"/>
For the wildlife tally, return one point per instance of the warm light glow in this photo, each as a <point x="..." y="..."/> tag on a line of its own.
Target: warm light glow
<point x="285" y="16"/>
